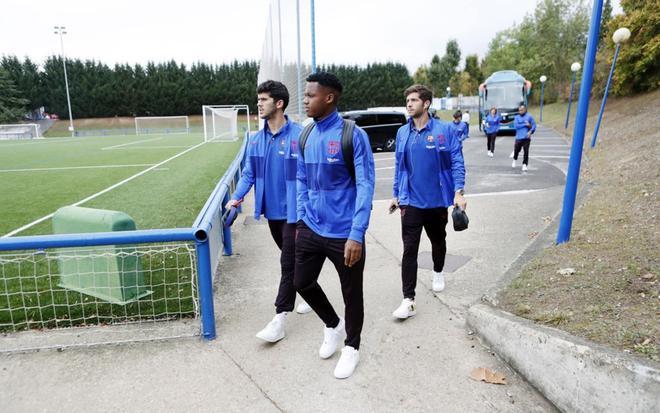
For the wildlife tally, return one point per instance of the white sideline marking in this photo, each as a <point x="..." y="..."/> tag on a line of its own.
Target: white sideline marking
<point x="130" y="143"/>
<point x="108" y="189"/>
<point x="153" y="147"/>
<point x="549" y="156"/>
<point x="66" y="168"/>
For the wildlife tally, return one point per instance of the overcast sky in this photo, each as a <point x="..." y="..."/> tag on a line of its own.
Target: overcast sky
<point x="355" y="31"/>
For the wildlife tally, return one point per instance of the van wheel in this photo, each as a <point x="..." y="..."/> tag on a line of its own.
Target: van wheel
<point x="390" y="145"/>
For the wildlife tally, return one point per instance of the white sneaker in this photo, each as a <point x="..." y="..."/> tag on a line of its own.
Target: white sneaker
<point x="513" y="164"/>
<point x="438" y="281"/>
<point x="331" y="339"/>
<point x="524" y="168"/>
<point x="303" y="308"/>
<point x="274" y="331"/>
<point x="347" y="362"/>
<point x="490" y="154"/>
<point x="511" y="155"/>
<point x="406" y="309"/>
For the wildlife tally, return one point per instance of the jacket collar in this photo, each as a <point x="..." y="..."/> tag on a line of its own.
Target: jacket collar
<point x="328" y="122"/>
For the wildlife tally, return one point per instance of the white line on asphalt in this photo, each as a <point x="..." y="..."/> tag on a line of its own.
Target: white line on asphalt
<point x="383" y="159"/>
<point x="66" y="168"/>
<point x="108" y="189"/>
<point x="549" y="156"/>
<point x="385" y="167"/>
<point x="538" y="145"/>
<point x="518" y="192"/>
<point x="130" y="143"/>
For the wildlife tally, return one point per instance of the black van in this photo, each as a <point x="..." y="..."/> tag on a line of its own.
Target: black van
<point x="380" y="126"/>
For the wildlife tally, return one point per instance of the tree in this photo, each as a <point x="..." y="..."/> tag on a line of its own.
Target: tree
<point x="604" y="22"/>
<point x="473" y="69"/>
<point x="638" y="66"/>
<point x="421" y="76"/>
<point x="12" y="105"/>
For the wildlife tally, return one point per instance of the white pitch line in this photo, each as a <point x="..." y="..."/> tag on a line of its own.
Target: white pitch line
<point x="66" y="168"/>
<point x="108" y="189"/>
<point x="152" y="147"/>
<point x="130" y="143"/>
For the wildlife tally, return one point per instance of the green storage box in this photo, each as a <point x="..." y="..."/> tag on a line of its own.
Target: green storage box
<point x="111" y="273"/>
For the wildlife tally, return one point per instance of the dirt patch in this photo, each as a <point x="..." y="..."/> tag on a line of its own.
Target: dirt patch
<point x="612" y="296"/>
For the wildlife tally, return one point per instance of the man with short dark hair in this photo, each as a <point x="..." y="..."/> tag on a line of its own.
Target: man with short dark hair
<point x="460" y="127"/>
<point x="525" y="128"/>
<point x="334" y="205"/>
<point x="271" y="166"/>
<point x="429" y="177"/>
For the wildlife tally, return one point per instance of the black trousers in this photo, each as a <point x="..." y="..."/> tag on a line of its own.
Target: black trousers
<point x="522" y="144"/>
<point x="433" y="221"/>
<point x="285" y="237"/>
<point x="311" y="252"/>
<point x="490" y="141"/>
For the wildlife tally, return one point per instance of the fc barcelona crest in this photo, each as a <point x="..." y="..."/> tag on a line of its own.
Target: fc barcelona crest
<point x="429" y="139"/>
<point x="333" y="147"/>
<point x="441" y="139"/>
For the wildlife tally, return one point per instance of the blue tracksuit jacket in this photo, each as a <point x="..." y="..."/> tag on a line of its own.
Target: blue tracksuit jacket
<point x="271" y="167"/>
<point x="520" y="123"/>
<point x="329" y="201"/>
<point x="429" y="166"/>
<point x="461" y="130"/>
<point x="493" y="123"/>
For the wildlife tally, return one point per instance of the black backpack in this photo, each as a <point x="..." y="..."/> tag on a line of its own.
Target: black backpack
<point x="346" y="143"/>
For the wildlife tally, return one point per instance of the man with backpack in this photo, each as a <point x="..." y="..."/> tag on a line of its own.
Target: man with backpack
<point x="335" y="177"/>
<point x="270" y="167"/>
<point x="429" y="177"/>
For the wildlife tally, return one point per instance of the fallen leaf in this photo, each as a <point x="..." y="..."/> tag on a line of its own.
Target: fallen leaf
<point x="487" y="375"/>
<point x="566" y="272"/>
<point x="648" y="276"/>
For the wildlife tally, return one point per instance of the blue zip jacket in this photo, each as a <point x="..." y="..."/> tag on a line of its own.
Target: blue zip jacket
<point x="493" y="123"/>
<point x="461" y="130"/>
<point x="329" y="201"/>
<point x="440" y="179"/>
<point x="520" y="123"/>
<point x="271" y="167"/>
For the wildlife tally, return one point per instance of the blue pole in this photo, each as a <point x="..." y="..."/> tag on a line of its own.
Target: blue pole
<point x="607" y="89"/>
<point x="298" y="69"/>
<point x="541" y="114"/>
<point x="204" y="275"/>
<point x="575" y="159"/>
<point x="313" y="38"/>
<point x="570" y="100"/>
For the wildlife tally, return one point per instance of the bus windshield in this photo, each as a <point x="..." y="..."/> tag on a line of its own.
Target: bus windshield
<point x="507" y="95"/>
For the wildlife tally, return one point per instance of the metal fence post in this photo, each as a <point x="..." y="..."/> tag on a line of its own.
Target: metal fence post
<point x="205" y="285"/>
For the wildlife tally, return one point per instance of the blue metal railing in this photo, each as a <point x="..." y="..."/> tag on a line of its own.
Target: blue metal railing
<point x="207" y="233"/>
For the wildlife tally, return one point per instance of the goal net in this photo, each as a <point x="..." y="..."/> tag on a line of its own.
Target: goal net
<point x="287" y="51"/>
<point x="145" y="125"/>
<point x="221" y="122"/>
<point x="19" y="131"/>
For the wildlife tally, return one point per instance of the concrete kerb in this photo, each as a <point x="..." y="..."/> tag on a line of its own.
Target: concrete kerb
<point x="574" y="374"/>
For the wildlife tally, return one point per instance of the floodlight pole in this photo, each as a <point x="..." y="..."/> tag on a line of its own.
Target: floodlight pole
<point x="574" y="68"/>
<point x="570" y="191"/>
<point x="313" y="37"/>
<point x="298" y="68"/>
<point x="543" y="79"/>
<point x="60" y="30"/>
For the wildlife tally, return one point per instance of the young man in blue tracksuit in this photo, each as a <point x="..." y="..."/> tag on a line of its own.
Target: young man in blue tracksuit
<point x="525" y="128"/>
<point x="429" y="177"/>
<point x="271" y="167"/>
<point x="460" y="128"/>
<point x="492" y="126"/>
<point x="333" y="216"/>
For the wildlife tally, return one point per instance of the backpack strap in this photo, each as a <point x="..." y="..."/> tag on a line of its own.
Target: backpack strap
<point x="302" y="140"/>
<point x="347" y="146"/>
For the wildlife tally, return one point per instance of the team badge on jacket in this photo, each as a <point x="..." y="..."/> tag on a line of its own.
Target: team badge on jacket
<point x="282" y="142"/>
<point x="294" y="149"/>
<point x="333" y="149"/>
<point x="429" y="142"/>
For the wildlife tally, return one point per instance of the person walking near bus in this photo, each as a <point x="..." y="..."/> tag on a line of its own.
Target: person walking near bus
<point x="270" y="161"/>
<point x="525" y="128"/>
<point x="336" y="177"/>
<point x="429" y="177"/>
<point x="492" y="124"/>
<point x="460" y="129"/>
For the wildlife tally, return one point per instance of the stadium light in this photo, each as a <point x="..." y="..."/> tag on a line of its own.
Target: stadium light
<point x="61" y="31"/>
<point x="575" y="67"/>
<point x="543" y="79"/>
<point x="573" y="175"/>
<point x="448" y="92"/>
<point x="621" y="35"/>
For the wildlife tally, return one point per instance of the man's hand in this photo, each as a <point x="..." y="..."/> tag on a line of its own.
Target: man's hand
<point x="529" y="135"/>
<point x="459" y="200"/>
<point x="394" y="204"/>
<point x="529" y="125"/>
<point x="232" y="203"/>
<point x="352" y="252"/>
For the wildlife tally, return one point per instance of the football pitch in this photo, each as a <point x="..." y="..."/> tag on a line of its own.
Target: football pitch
<point x="160" y="180"/>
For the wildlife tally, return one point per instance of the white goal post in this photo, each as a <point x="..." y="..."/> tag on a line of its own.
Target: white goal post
<point x="221" y="122"/>
<point x="20" y="131"/>
<point x="161" y="124"/>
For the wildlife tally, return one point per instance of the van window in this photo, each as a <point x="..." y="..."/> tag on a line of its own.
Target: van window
<point x="388" y="119"/>
<point x="366" y="120"/>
